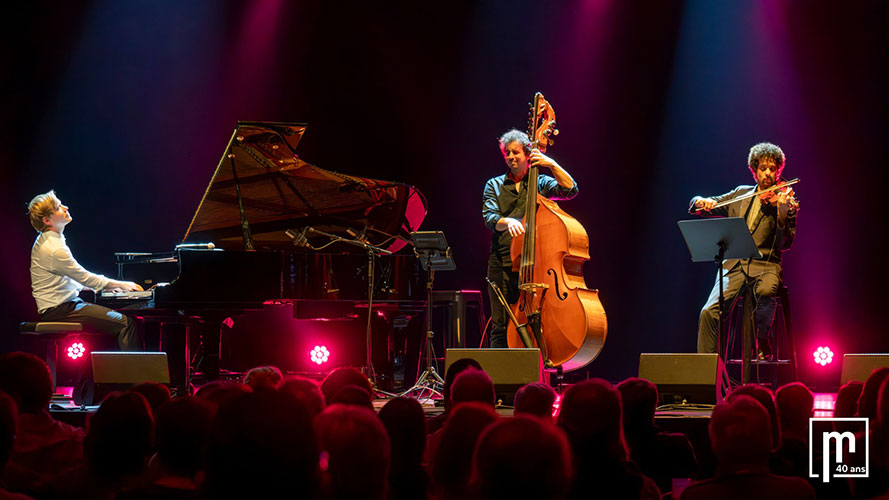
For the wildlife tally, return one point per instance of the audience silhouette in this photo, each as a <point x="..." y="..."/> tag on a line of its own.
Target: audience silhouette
<point x="661" y="456"/>
<point x="741" y="437"/>
<point x="590" y="414"/>
<point x="522" y="457"/>
<point x="269" y="437"/>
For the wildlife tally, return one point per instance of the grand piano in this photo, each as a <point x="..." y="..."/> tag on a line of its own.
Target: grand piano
<point x="272" y="228"/>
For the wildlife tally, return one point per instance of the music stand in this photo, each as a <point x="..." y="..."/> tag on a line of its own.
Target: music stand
<point x="715" y="240"/>
<point x="432" y="249"/>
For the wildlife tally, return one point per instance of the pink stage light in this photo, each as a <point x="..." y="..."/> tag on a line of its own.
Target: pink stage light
<point x="319" y="354"/>
<point x="76" y="350"/>
<point x="823" y="356"/>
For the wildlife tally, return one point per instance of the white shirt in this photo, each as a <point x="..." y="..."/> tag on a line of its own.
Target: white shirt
<point x="56" y="277"/>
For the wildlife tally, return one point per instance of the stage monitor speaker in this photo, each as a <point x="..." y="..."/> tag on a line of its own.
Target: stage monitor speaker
<point x="509" y="369"/>
<point x="110" y="371"/>
<point x="858" y="367"/>
<point x="685" y="377"/>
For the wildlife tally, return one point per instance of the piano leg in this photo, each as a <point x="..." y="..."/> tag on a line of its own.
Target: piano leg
<point x="210" y="335"/>
<point x="174" y="341"/>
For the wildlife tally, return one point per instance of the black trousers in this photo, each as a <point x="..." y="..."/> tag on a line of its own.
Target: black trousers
<point x="508" y="281"/>
<point x="764" y="277"/>
<point x="98" y="319"/>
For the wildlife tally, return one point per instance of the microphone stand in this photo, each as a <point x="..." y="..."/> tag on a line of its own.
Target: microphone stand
<point x="372" y="251"/>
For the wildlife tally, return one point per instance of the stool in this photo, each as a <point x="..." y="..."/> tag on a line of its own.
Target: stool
<point x="747" y="333"/>
<point x="51" y="333"/>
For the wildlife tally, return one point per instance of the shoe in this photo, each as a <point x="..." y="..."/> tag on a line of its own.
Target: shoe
<point x="764" y="351"/>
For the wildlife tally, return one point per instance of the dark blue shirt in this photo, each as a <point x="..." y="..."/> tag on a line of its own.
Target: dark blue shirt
<point x="501" y="199"/>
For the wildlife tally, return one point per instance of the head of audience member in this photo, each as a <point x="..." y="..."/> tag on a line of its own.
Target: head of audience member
<point x="639" y="401"/>
<point x="405" y="423"/>
<point x="356" y="448"/>
<point x="341" y="377"/>
<point x="353" y="395"/>
<point x="220" y="392"/>
<point x="796" y="405"/>
<point x="473" y="385"/>
<point x="120" y="436"/>
<point x="306" y="391"/>
<point x="535" y="399"/>
<point x="867" y="402"/>
<point x="8" y="413"/>
<point x="522" y="458"/>
<point x="590" y="415"/>
<point x="156" y="394"/>
<point x="767" y="400"/>
<point x="881" y="426"/>
<point x="451" y="463"/>
<point x="183" y="429"/>
<point x="27" y="379"/>
<point x="740" y="434"/>
<point x="846" y="405"/>
<point x="847" y="399"/>
<point x="456" y="368"/>
<point x="261" y="443"/>
<point x="263" y="378"/>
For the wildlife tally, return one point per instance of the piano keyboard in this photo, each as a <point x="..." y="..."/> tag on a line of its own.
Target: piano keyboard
<point x="125" y="300"/>
<point x="147" y="294"/>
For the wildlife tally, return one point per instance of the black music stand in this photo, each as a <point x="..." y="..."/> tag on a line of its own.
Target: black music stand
<point x="715" y="240"/>
<point x="432" y="249"/>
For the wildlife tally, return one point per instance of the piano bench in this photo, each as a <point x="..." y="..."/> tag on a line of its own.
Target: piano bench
<point x="51" y="333"/>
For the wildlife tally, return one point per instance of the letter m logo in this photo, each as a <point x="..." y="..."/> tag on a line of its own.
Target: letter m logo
<point x="838" y="463"/>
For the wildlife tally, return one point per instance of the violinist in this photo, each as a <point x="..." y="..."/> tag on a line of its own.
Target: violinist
<point x="503" y="208"/>
<point x="771" y="218"/>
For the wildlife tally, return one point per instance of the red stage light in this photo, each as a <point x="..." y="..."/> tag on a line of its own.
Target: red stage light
<point x="76" y="350"/>
<point x="319" y="354"/>
<point x="823" y="356"/>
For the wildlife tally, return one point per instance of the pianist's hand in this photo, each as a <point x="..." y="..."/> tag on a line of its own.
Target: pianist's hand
<point x="123" y="286"/>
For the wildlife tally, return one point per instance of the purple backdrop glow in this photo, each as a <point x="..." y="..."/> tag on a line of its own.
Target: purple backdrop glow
<point x="124" y="109"/>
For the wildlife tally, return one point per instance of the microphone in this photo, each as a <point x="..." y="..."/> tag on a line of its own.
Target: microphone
<point x="362" y="236"/>
<point x="299" y="238"/>
<point x="207" y="246"/>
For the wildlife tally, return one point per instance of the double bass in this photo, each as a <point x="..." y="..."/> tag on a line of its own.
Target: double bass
<point x="555" y="311"/>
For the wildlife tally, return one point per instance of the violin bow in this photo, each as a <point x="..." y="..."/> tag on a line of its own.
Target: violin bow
<point x="755" y="193"/>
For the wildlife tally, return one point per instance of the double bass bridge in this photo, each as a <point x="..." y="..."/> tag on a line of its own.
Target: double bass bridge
<point x="533" y="287"/>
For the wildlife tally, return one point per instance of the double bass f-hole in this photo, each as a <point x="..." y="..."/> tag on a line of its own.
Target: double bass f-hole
<point x="552" y="272"/>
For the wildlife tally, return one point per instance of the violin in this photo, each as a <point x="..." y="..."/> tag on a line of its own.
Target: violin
<point x="781" y="194"/>
<point x="770" y="195"/>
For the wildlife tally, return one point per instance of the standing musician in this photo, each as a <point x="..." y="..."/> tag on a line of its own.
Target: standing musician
<point x="771" y="218"/>
<point x="57" y="279"/>
<point x="503" y="209"/>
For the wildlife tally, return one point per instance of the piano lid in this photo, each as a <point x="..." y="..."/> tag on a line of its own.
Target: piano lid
<point x="280" y="192"/>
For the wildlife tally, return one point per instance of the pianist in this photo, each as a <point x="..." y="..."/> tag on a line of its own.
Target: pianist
<point x="57" y="279"/>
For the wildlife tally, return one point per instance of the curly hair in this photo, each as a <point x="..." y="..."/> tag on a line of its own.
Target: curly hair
<point x="765" y="150"/>
<point x="515" y="135"/>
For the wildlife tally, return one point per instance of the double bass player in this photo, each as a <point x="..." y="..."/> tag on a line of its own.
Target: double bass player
<point x="503" y="207"/>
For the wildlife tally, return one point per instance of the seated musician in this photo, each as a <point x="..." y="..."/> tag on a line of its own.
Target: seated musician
<point x="57" y="279"/>
<point x="771" y="218"/>
<point x="503" y="209"/>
